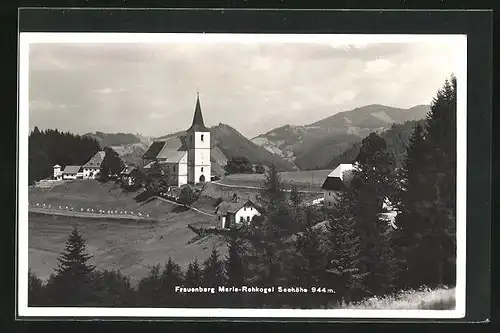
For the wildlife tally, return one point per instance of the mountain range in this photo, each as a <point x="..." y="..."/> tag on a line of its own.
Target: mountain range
<point x="315" y="146"/>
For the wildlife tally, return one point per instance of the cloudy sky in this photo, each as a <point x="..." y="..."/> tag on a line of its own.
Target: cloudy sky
<point x="254" y="87"/>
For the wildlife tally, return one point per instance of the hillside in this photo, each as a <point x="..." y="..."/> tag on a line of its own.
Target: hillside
<point x="397" y="138"/>
<point x="227" y="142"/>
<point x="305" y="146"/>
<point x="117" y="139"/>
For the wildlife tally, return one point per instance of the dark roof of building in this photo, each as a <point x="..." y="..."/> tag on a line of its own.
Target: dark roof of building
<point x="71" y="169"/>
<point x="232" y="207"/>
<point x="154" y="150"/>
<point x="96" y="160"/>
<point x="128" y="170"/>
<point x="198" y="123"/>
<point x="333" y="184"/>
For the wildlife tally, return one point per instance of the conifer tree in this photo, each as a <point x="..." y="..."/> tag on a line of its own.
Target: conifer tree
<point x="113" y="289"/>
<point x="193" y="274"/>
<point x="72" y="283"/>
<point x="36" y="290"/>
<point x="213" y="270"/>
<point x="149" y="288"/>
<point x="233" y="264"/>
<point x="171" y="276"/>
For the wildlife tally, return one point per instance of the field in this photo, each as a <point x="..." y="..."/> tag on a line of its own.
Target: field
<point x="129" y="246"/>
<point x="305" y="180"/>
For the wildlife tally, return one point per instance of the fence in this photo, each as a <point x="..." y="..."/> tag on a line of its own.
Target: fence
<point x="87" y="211"/>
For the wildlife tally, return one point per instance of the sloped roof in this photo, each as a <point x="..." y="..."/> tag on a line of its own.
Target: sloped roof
<point x="96" y="160"/>
<point x="128" y="170"/>
<point x="56" y="166"/>
<point x="170" y="156"/>
<point x="232" y="207"/>
<point x="198" y="123"/>
<point x="153" y="150"/>
<point x="333" y="184"/>
<point x="70" y="169"/>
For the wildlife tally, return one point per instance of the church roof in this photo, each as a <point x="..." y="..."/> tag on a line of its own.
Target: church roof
<point x="153" y="150"/>
<point x="198" y="123"/>
<point x="171" y="156"/>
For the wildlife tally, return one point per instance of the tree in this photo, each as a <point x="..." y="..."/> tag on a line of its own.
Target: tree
<point x="238" y="164"/>
<point x="193" y="274"/>
<point x="36" y="290"/>
<point x="234" y="269"/>
<point x="111" y="165"/>
<point x="113" y="289"/>
<point x="171" y="276"/>
<point x="427" y="223"/>
<point x="344" y="271"/>
<point x="72" y="283"/>
<point x="187" y="195"/>
<point x="149" y="287"/>
<point x="213" y="276"/>
<point x="259" y="168"/>
<point x="373" y="181"/>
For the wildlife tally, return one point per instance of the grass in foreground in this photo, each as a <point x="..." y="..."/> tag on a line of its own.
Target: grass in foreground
<point x="425" y="299"/>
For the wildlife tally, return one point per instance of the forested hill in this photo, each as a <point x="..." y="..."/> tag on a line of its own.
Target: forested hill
<point x="50" y="147"/>
<point x="396" y="137"/>
<point x="114" y="139"/>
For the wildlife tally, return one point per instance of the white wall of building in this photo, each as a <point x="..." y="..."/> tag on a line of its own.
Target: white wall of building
<point x="329" y="198"/>
<point x="88" y="171"/>
<point x="247" y="212"/>
<point x="183" y="172"/>
<point x="69" y="176"/>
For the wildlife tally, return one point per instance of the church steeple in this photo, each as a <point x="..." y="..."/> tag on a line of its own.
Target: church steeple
<point x="198" y="123"/>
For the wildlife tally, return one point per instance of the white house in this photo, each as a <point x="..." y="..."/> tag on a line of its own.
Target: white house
<point x="73" y="172"/>
<point x="236" y="212"/>
<point x="129" y="175"/>
<point x="186" y="160"/>
<point x="334" y="183"/>
<point x="93" y="166"/>
<point x="57" y="172"/>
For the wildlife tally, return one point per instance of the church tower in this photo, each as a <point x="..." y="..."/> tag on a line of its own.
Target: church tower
<point x="198" y="144"/>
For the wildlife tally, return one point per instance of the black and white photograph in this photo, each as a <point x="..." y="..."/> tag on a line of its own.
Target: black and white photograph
<point x="242" y="175"/>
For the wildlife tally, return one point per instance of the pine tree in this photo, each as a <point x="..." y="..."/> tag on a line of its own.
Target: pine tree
<point x="113" y="289"/>
<point x="149" y="288"/>
<point x="344" y="271"/>
<point x="213" y="270"/>
<point x="373" y="181"/>
<point x="233" y="264"/>
<point x="111" y="165"/>
<point x="428" y="219"/>
<point x="36" y="290"/>
<point x="193" y="274"/>
<point x="170" y="278"/>
<point x="72" y="283"/>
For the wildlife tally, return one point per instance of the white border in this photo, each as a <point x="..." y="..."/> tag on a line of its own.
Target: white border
<point x="335" y="40"/>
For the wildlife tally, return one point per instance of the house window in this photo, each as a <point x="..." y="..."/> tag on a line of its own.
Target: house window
<point x="242" y="219"/>
<point x="202" y="137"/>
<point x="248" y="218"/>
<point x="330" y="193"/>
<point x="244" y="208"/>
<point x="219" y="218"/>
<point x="174" y="168"/>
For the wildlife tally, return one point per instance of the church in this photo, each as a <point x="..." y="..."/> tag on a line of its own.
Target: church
<point x="182" y="159"/>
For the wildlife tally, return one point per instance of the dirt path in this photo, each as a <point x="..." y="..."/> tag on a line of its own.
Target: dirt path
<point x="217" y="182"/>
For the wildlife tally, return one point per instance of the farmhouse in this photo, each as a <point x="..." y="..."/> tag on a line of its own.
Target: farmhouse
<point x="129" y="175"/>
<point x="236" y="212"/>
<point x="184" y="161"/>
<point x="92" y="167"/>
<point x="72" y="172"/>
<point x="334" y="183"/>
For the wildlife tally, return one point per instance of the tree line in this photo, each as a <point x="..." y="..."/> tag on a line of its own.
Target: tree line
<point x="355" y="252"/>
<point x="50" y="147"/>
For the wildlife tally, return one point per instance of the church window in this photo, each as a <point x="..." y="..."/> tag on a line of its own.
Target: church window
<point x="201" y="169"/>
<point x="202" y="137"/>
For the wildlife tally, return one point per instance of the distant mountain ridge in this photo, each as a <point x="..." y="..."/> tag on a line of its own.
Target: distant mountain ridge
<point x="227" y="141"/>
<point x="312" y="146"/>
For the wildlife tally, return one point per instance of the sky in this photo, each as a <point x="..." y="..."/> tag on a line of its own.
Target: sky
<point x="150" y="88"/>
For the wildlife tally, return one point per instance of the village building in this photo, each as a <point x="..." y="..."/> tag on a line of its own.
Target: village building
<point x="57" y="172"/>
<point x="334" y="184"/>
<point x="129" y="175"/>
<point x="93" y="166"/>
<point x="236" y="212"/>
<point x="185" y="159"/>
<point x="72" y="172"/>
